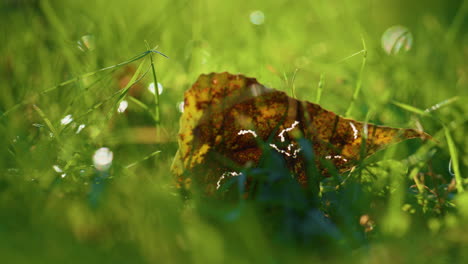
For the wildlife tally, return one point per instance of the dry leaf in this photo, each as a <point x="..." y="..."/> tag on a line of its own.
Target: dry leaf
<point x="225" y="116"/>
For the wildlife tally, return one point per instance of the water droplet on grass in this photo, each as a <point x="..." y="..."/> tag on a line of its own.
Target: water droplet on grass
<point x="87" y="43"/>
<point x="257" y="17"/>
<point x="80" y="127"/>
<point x="397" y="39"/>
<point x="122" y="106"/>
<point x="180" y="106"/>
<point x="102" y="159"/>
<point x="66" y="120"/>
<point x="450" y="168"/>
<point x="151" y="88"/>
<point x="57" y="169"/>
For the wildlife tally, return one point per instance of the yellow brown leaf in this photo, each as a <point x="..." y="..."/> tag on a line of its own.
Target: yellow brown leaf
<point x="226" y="116"/>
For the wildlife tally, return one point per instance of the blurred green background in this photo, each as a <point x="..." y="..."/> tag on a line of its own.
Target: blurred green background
<point x="47" y="216"/>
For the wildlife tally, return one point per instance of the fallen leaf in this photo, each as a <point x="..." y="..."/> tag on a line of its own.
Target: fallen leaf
<point x="226" y="116"/>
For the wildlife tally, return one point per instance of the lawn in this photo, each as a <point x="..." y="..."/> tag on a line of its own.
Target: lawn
<point x="76" y="77"/>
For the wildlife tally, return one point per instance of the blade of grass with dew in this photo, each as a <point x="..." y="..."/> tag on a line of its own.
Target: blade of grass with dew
<point x="123" y="92"/>
<point x="442" y="104"/>
<point x="135" y="78"/>
<point x="454" y="157"/>
<point x="118" y="93"/>
<point x="70" y="81"/>
<point x="133" y="59"/>
<point x="359" y="81"/>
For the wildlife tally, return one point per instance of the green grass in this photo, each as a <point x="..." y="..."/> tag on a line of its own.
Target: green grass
<point x="312" y="50"/>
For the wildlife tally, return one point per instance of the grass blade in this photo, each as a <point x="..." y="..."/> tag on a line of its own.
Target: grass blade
<point x="157" y="115"/>
<point x="457" y="22"/>
<point x="410" y="108"/>
<point x="320" y="88"/>
<point x="48" y="123"/>
<point x="48" y="90"/>
<point x="121" y="93"/>
<point x="293" y="83"/>
<point x="359" y="81"/>
<point x="138" y="102"/>
<point x="454" y="157"/>
<point x="442" y="104"/>
<point x="143" y="159"/>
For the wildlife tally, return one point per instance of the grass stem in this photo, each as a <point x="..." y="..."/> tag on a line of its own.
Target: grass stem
<point x="320" y="88"/>
<point x="157" y="115"/>
<point x="454" y="156"/>
<point x="359" y="81"/>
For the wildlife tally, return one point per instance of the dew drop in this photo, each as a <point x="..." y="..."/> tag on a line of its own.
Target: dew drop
<point x="397" y="39"/>
<point x="102" y="159"/>
<point x="180" y="106"/>
<point x="66" y="120"/>
<point x="257" y="17"/>
<point x="86" y="43"/>
<point x="122" y="106"/>
<point x="450" y="168"/>
<point x="57" y="169"/>
<point x="151" y="88"/>
<point x="80" y="127"/>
